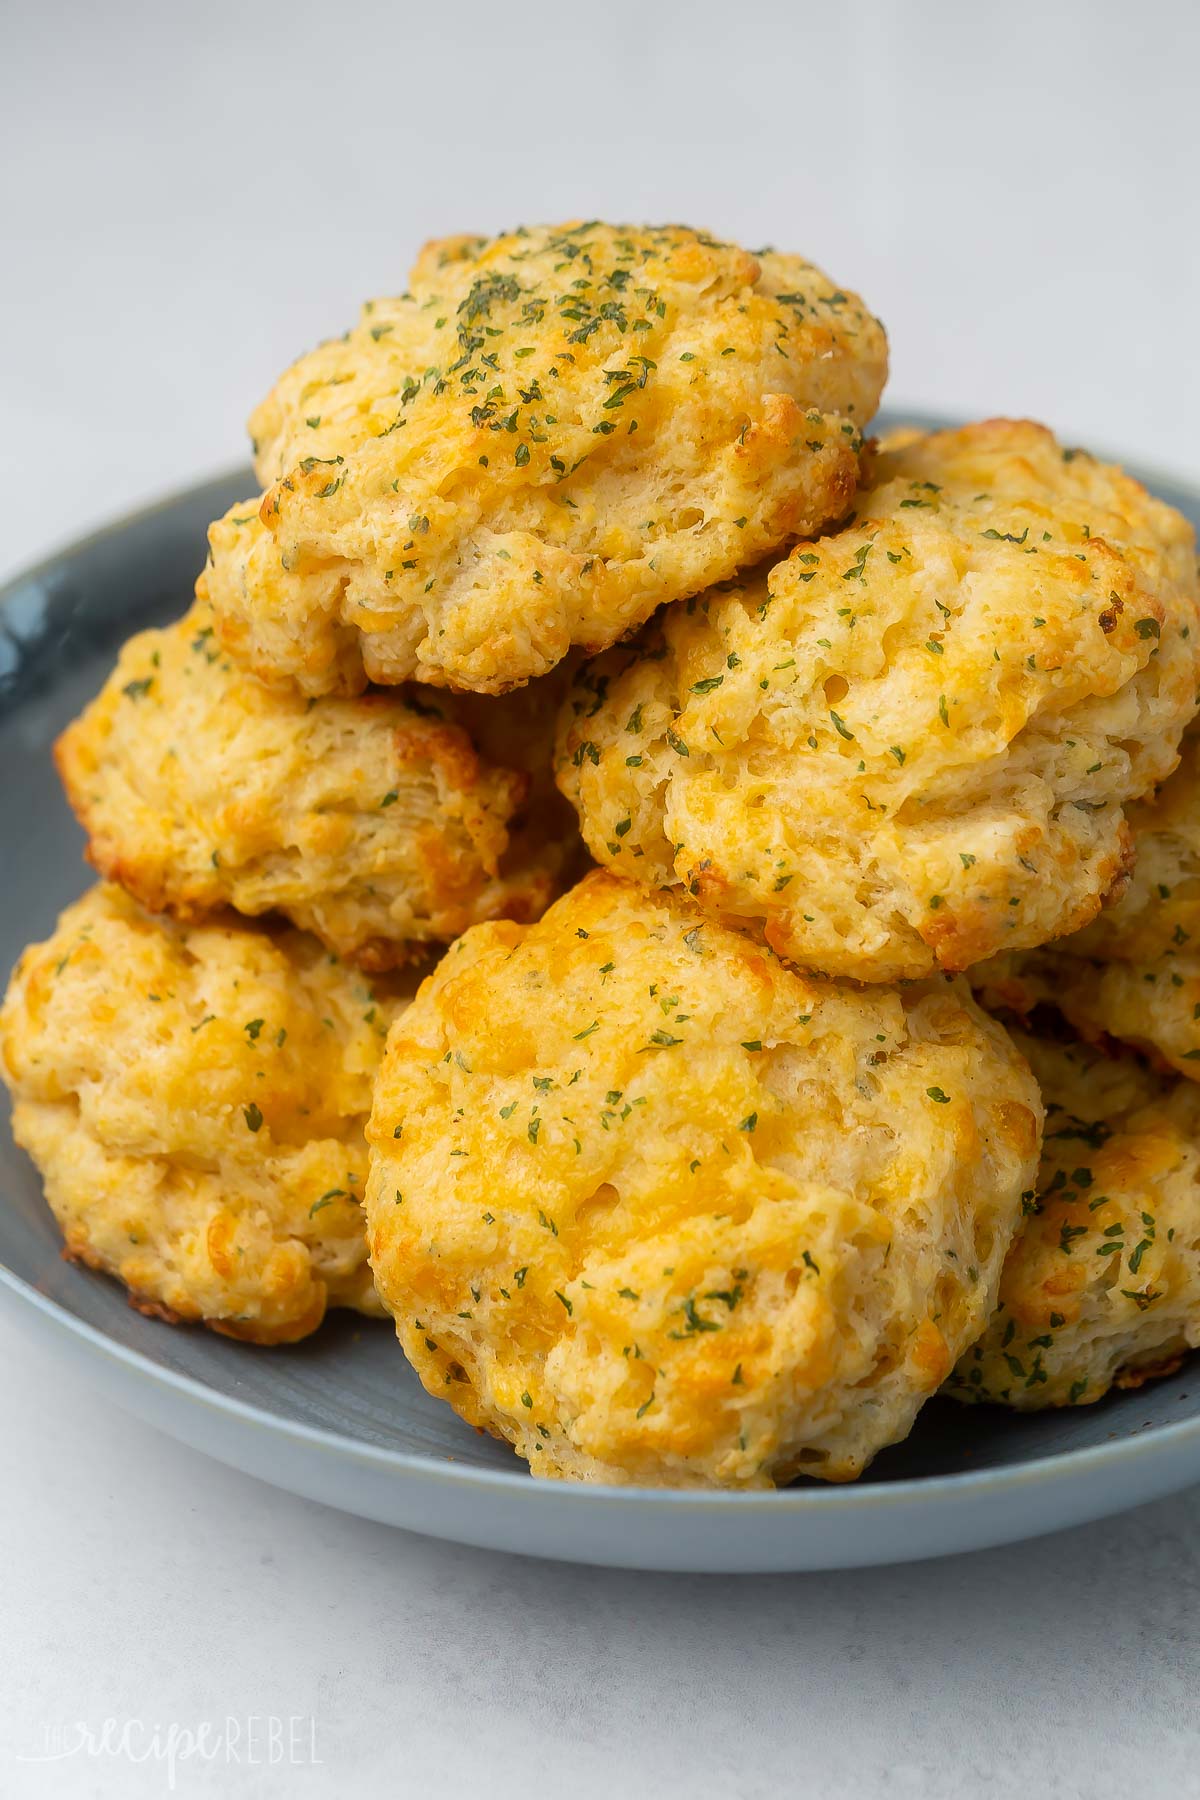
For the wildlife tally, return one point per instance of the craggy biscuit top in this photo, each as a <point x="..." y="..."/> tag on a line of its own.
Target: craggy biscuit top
<point x="656" y="1208"/>
<point x="551" y="433"/>
<point x="195" y="1100"/>
<point x="380" y="822"/>
<point x="909" y="744"/>
<point x="1103" y="1283"/>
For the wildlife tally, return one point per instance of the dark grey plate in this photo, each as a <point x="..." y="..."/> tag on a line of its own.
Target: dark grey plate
<point x="341" y="1417"/>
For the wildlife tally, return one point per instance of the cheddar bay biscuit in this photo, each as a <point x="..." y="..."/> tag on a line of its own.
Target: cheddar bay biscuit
<point x="1103" y="1283"/>
<point x="382" y="822"/>
<point x="550" y="434"/>
<point x="657" y="1209"/>
<point x="195" y="1100"/>
<point x="910" y="744"/>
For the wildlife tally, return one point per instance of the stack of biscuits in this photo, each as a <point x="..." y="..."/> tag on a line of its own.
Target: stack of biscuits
<point x="691" y="910"/>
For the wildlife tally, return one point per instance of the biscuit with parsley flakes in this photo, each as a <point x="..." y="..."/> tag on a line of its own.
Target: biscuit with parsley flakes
<point x="550" y="434"/>
<point x="909" y="745"/>
<point x="195" y="1100"/>
<point x="1102" y="1286"/>
<point x="382" y="822"/>
<point x="657" y="1209"/>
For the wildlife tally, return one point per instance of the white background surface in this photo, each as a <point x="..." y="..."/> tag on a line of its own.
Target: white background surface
<point x="190" y="197"/>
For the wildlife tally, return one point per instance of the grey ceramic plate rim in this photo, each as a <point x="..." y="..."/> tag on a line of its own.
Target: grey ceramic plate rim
<point x="836" y="1497"/>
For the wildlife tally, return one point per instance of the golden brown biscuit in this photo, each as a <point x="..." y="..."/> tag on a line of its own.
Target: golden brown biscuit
<point x="195" y="1100"/>
<point x="657" y="1209"/>
<point x="381" y="823"/>
<point x="553" y="432"/>
<point x="1103" y="1283"/>
<point x="908" y="745"/>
